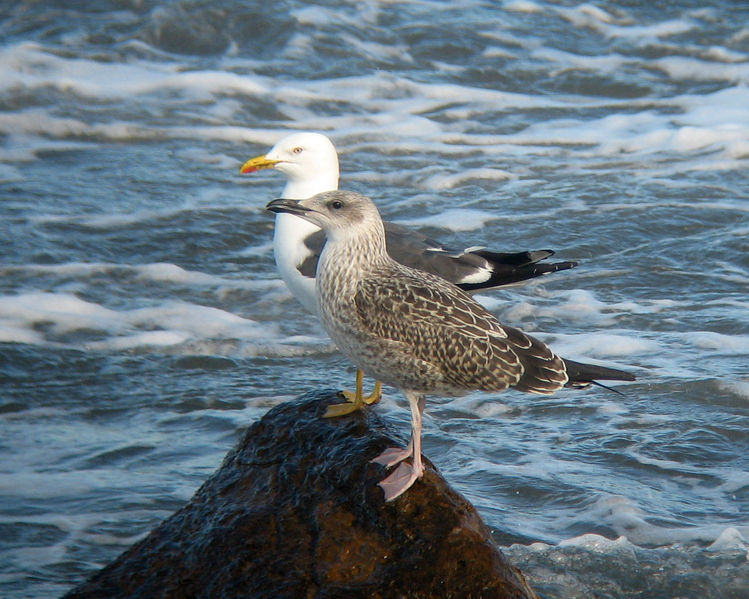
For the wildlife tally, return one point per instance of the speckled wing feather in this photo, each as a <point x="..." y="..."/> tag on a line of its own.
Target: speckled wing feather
<point x="440" y="324"/>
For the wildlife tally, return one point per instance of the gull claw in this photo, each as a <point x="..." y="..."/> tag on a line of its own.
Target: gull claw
<point x="341" y="409"/>
<point x="356" y="400"/>
<point x="360" y="399"/>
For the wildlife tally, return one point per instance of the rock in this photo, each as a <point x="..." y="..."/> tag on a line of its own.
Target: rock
<point x="295" y="511"/>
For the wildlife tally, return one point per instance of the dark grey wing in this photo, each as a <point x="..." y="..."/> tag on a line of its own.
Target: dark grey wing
<point x="314" y="244"/>
<point x="582" y="375"/>
<point x="438" y="323"/>
<point x="470" y="269"/>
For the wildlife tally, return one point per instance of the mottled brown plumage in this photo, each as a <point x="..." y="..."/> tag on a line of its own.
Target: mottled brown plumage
<point x="414" y="330"/>
<point x="434" y="322"/>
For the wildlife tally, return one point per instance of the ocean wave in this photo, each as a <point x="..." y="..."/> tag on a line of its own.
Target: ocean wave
<point x="66" y="320"/>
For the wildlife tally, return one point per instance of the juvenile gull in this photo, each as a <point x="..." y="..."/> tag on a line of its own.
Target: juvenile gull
<point x="414" y="330"/>
<point x="310" y="163"/>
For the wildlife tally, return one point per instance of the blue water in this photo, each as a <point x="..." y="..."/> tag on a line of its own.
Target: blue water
<point x="143" y="325"/>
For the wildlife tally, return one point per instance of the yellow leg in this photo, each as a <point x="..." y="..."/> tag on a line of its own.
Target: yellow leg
<point x="376" y="395"/>
<point x="358" y="397"/>
<point x="357" y="400"/>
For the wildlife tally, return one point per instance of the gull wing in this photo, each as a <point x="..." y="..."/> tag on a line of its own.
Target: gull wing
<point x="438" y="323"/>
<point x="471" y="269"/>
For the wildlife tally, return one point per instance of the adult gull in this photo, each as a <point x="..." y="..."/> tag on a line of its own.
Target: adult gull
<point x="310" y="163"/>
<point x="414" y="330"/>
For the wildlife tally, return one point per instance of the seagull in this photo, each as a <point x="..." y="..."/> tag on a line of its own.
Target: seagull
<point x="414" y="330"/>
<point x="310" y="163"/>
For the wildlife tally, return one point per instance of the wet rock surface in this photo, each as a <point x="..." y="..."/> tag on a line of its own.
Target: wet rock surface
<point x="295" y="511"/>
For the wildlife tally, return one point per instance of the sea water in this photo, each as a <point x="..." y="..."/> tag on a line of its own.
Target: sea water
<point x="143" y="325"/>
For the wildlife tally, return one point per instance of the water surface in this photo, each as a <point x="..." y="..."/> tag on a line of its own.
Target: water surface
<point x="143" y="325"/>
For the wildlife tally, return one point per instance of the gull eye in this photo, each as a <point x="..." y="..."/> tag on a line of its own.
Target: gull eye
<point x="336" y="204"/>
<point x="298" y="150"/>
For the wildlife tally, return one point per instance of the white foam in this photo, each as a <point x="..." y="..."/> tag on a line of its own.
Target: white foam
<point x="14" y="333"/>
<point x="440" y="182"/>
<point x="599" y="544"/>
<point x="608" y="63"/>
<point x="721" y="54"/>
<point x="740" y="388"/>
<point x="700" y="110"/>
<point x="477" y="404"/>
<point x="716" y="121"/>
<point x="37" y="121"/>
<point x="28" y="127"/>
<point x="162" y="272"/>
<point x="681" y="68"/>
<point x="139" y="340"/>
<point x="168" y="323"/>
<point x="729" y="539"/>
<point x="603" y="345"/>
<point x="171" y="273"/>
<point x="583" y="304"/>
<point x="262" y="249"/>
<point x="454" y="219"/>
<point x="195" y="320"/>
<point x="397" y="105"/>
<point x="625" y="516"/>
<point x="646" y="33"/>
<point x="734" y="480"/>
<point x="175" y="274"/>
<point x="517" y="312"/>
<point x="588" y="15"/>
<point x="397" y="97"/>
<point x="494" y="52"/>
<point x="319" y="16"/>
<point x="65" y="311"/>
<point x="663" y="464"/>
<point x="525" y="6"/>
<point x="737" y="149"/>
<point x="30" y="65"/>
<point x="723" y="344"/>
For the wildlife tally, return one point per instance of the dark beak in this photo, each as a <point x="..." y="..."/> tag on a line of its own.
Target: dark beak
<point x="290" y="206"/>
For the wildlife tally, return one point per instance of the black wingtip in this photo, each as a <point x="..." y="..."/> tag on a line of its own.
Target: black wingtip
<point x="583" y="375"/>
<point x="545" y="269"/>
<point x="502" y="274"/>
<point x="528" y="258"/>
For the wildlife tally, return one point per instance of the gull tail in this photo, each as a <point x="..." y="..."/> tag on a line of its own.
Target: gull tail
<point x="509" y="268"/>
<point x="583" y="375"/>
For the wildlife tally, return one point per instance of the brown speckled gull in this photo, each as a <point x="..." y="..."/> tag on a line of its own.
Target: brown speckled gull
<point x="414" y="330"/>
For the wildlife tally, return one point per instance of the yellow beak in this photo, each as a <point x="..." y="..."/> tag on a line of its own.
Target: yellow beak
<point x="256" y="164"/>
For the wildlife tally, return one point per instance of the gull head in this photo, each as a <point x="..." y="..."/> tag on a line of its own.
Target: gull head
<point x="341" y="214"/>
<point x="309" y="161"/>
